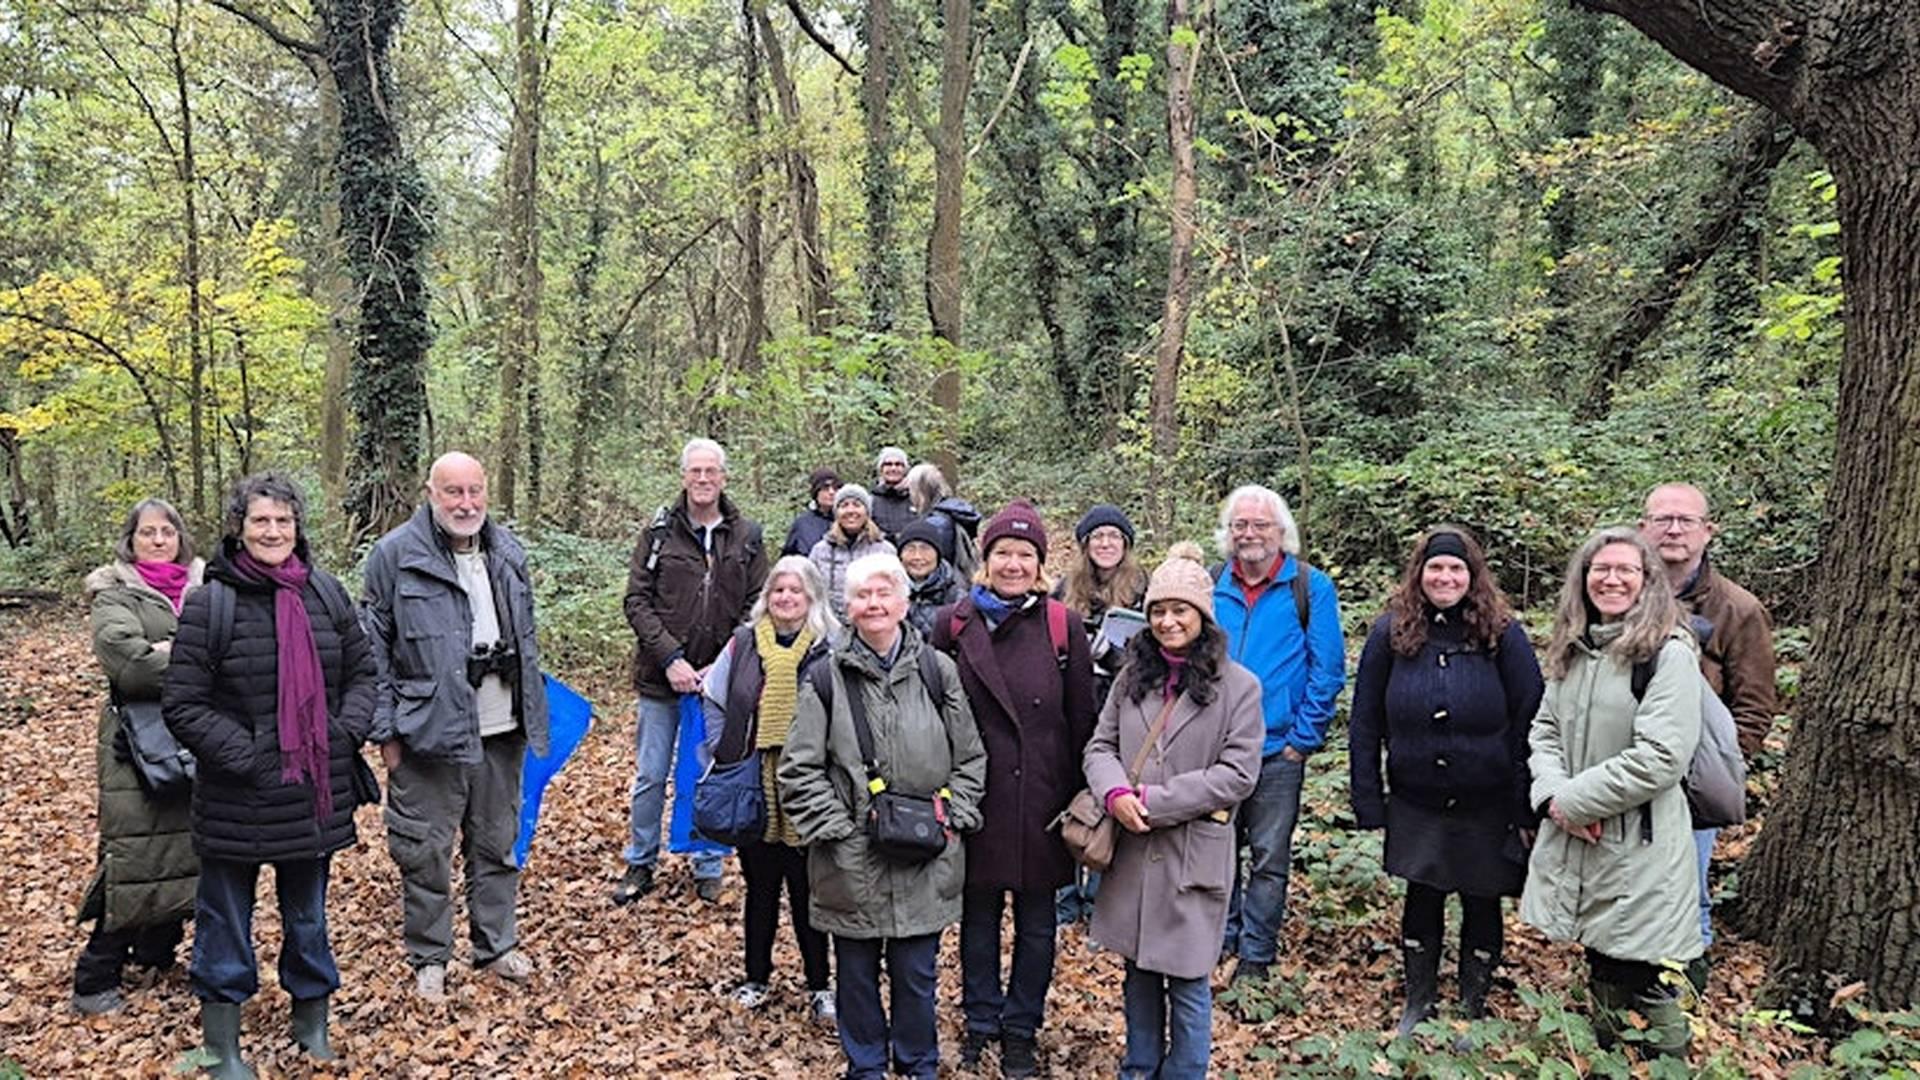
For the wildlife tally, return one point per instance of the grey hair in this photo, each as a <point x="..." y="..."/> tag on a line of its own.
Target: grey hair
<point x="1277" y="506"/>
<point x="703" y="446"/>
<point x="265" y="485"/>
<point x="124" y="549"/>
<point x="819" y="612"/>
<point x="926" y="485"/>
<point x="867" y="567"/>
<point x="889" y="453"/>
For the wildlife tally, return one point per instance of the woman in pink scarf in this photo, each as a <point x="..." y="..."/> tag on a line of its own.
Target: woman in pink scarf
<point x="271" y="687"/>
<point x="143" y="886"/>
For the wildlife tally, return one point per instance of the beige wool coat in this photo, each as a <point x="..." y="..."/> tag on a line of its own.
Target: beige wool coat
<point x="1163" y="902"/>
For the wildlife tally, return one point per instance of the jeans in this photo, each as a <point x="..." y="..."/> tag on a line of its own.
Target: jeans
<point x="1703" y="847"/>
<point x="866" y="1035"/>
<point x="223" y="969"/>
<point x="655" y="732"/>
<point x="107" y="952"/>
<point x="427" y="803"/>
<point x="766" y="866"/>
<point x="1169" y="1026"/>
<point x="1256" y="910"/>
<point x="1017" y="1008"/>
<point x="1074" y="900"/>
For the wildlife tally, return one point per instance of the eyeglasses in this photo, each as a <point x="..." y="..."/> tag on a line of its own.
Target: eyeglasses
<point x="703" y="470"/>
<point x="1245" y="526"/>
<point x="1677" y="522"/>
<point x="1623" y="571"/>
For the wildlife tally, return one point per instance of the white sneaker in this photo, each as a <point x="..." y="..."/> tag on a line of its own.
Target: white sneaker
<point x="825" y="1013"/>
<point x="430" y="982"/>
<point x="749" y="995"/>
<point x="512" y="965"/>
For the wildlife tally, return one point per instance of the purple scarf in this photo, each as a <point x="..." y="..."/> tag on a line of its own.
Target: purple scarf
<point x="1176" y="670"/>
<point x="169" y="579"/>
<point x="303" y="687"/>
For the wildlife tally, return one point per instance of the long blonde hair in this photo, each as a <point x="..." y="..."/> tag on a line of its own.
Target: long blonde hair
<point x="1647" y="623"/>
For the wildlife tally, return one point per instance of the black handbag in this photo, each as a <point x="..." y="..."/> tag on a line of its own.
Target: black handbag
<point x="164" y="767"/>
<point x="906" y="828"/>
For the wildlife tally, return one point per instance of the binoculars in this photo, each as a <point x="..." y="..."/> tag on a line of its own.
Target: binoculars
<point x="499" y="658"/>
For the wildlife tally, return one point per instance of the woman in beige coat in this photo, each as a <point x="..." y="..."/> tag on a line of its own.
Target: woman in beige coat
<point x="1163" y="902"/>
<point x="1615" y="869"/>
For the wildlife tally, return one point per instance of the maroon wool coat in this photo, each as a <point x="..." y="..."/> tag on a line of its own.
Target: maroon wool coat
<point x="1035" y="720"/>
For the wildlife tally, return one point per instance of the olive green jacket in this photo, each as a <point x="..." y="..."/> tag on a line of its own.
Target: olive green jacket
<point x="922" y="746"/>
<point x="147" y="872"/>
<point x="1633" y="894"/>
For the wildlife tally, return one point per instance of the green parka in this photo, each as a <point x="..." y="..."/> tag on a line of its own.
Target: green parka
<point x="922" y="746"/>
<point x="147" y="872"/>
<point x="1634" y="893"/>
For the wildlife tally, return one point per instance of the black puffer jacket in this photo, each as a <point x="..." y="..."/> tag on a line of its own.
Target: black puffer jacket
<point x="225" y="709"/>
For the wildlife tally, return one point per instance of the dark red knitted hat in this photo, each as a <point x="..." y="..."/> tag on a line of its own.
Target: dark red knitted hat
<point x="1019" y="521"/>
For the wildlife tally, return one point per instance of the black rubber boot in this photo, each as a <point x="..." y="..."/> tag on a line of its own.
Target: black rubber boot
<point x="310" y="1028"/>
<point x="1422" y="959"/>
<point x="1018" y="1057"/>
<point x="1476" y="978"/>
<point x="220" y="1040"/>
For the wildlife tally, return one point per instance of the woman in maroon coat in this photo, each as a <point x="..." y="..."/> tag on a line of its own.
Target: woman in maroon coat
<point x="1024" y="663"/>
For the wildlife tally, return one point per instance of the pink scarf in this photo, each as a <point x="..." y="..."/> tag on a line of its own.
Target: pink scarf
<point x="169" y="579"/>
<point x="303" y="686"/>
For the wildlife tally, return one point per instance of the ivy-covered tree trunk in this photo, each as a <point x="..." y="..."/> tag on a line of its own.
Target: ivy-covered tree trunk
<point x="880" y="276"/>
<point x="188" y="174"/>
<point x="1832" y="879"/>
<point x="520" y="329"/>
<point x="385" y="224"/>
<point x="752" y="172"/>
<point x="1106" y="381"/>
<point x="1183" y="58"/>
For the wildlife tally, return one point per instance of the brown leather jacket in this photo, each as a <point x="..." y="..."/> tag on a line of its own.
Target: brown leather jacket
<point x="684" y="601"/>
<point x="1737" y="656"/>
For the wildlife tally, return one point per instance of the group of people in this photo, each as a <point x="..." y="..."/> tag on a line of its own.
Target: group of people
<point x="923" y="699"/>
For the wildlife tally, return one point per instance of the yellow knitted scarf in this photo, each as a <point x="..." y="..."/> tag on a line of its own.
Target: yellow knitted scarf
<point x="778" y="697"/>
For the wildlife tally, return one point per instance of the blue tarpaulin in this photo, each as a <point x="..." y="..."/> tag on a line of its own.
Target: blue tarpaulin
<point x="686" y="775"/>
<point x="568" y="717"/>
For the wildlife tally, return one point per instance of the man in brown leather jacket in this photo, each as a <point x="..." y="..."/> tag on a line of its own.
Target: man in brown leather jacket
<point x="693" y="577"/>
<point x="1736" y="637"/>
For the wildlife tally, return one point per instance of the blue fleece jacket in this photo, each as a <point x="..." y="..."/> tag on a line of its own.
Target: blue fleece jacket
<point x="1301" y="673"/>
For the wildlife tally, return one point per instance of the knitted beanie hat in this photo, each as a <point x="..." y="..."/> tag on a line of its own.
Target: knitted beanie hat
<point x="853" y="493"/>
<point x="822" y="478"/>
<point x="1020" y="522"/>
<point x="920" y="531"/>
<point x="1182" y="577"/>
<point x="1103" y="514"/>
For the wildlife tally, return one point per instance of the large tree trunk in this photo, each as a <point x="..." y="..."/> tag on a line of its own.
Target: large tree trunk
<point x="16" y="523"/>
<point x="946" y="307"/>
<point x="188" y="174"/>
<point x="336" y="292"/>
<point x="1105" y="389"/>
<point x="1832" y="878"/>
<point x="385" y="223"/>
<point x="594" y="372"/>
<point x="880" y="277"/>
<point x="1183" y="59"/>
<point x="810" y="256"/>
<point x="520" y="330"/>
<point x="752" y="171"/>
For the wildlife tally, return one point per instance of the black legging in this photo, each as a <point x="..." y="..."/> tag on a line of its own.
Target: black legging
<point x="108" y="951"/>
<point x="765" y="867"/>
<point x="1424" y="919"/>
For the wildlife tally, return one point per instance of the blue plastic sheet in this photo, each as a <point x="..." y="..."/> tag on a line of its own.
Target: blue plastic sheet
<point x="682" y="840"/>
<point x="568" y="717"/>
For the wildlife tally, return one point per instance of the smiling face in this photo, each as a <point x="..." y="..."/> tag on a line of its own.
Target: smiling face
<point x="919" y="558"/>
<point x="154" y="538"/>
<point x="892" y="471"/>
<point x="787" y="602"/>
<point x="1444" y="580"/>
<point x="875" y="607"/>
<point x="1106" y="546"/>
<point x="457" y="491"/>
<point x="268" y="531"/>
<point x="851" y="516"/>
<point x="1175" y="624"/>
<point x="703" y="478"/>
<point x="1255" y="535"/>
<point x="1013" y="567"/>
<point x="1614" y="580"/>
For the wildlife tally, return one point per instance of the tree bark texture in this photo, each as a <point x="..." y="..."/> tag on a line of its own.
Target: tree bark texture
<point x="880" y="276"/>
<point x="1183" y="59"/>
<point x="520" y="330"/>
<point x="385" y="222"/>
<point x="1105" y="390"/>
<point x="810" y="256"/>
<point x="945" y="286"/>
<point x="752" y="173"/>
<point x="1834" y="879"/>
<point x="188" y="175"/>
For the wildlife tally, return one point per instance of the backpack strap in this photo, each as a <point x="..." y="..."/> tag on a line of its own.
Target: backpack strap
<point x="219" y="619"/>
<point x="656" y="537"/>
<point x="1057" y="630"/>
<point x="1301" y="604"/>
<point x="1642" y="676"/>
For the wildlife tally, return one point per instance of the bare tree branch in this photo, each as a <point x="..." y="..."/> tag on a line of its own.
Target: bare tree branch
<point x="1006" y="97"/>
<point x="820" y="39"/>
<point x="633" y="305"/>
<point x="307" y="51"/>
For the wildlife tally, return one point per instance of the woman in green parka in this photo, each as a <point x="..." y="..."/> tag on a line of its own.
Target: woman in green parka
<point x="1613" y="866"/>
<point x="143" y="889"/>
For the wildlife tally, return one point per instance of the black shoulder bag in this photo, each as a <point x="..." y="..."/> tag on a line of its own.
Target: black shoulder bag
<point x="164" y="767"/>
<point x="906" y="828"/>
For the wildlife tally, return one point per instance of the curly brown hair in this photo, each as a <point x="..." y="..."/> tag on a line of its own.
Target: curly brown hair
<point x="1485" y="607"/>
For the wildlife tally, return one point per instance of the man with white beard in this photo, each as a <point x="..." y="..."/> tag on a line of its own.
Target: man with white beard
<point x="459" y="700"/>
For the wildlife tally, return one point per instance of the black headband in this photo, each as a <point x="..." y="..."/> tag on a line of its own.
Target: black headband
<point x="1445" y="543"/>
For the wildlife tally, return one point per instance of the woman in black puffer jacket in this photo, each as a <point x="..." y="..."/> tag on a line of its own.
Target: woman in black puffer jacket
<point x="271" y="688"/>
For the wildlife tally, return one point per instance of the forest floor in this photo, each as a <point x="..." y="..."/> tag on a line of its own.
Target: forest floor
<point x="639" y="990"/>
